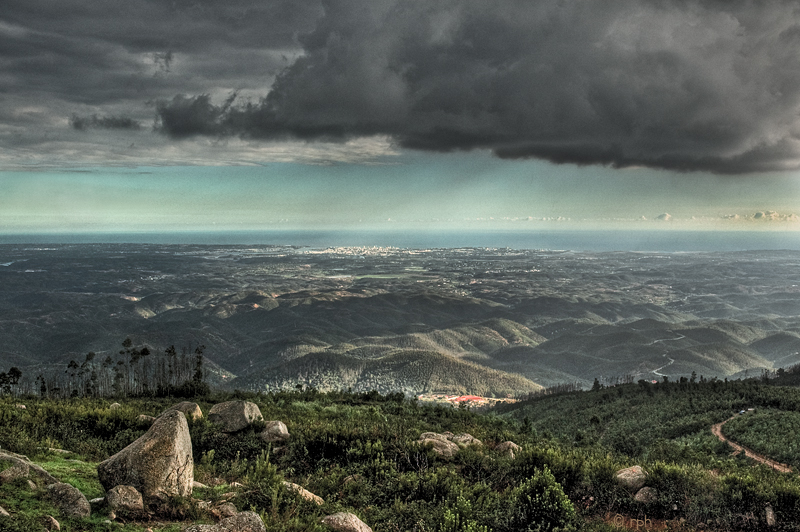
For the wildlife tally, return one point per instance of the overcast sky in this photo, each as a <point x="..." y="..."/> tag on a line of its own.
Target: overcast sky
<point x="246" y="114"/>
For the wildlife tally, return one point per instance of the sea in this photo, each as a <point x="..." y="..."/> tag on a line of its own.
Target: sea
<point x="671" y="241"/>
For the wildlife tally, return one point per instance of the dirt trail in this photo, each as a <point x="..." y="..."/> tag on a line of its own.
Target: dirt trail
<point x="716" y="430"/>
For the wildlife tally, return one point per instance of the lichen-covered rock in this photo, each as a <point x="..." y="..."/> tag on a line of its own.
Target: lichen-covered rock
<point x="233" y="416"/>
<point x="508" y="448"/>
<point x="441" y="446"/>
<point x="225" y="510"/>
<point x="346" y="522"/>
<point x="189" y="408"/>
<point x="632" y="478"/>
<point x="51" y="524"/>
<point x="144" y="419"/>
<point x="125" y="500"/>
<point x="69" y="500"/>
<point x="20" y="463"/>
<point x="3" y="512"/>
<point x="14" y="472"/>
<point x="646" y="495"/>
<point x="304" y="493"/>
<point x="158" y="464"/>
<point x="432" y="436"/>
<point x="241" y="522"/>
<point x="465" y="439"/>
<point x="275" y="431"/>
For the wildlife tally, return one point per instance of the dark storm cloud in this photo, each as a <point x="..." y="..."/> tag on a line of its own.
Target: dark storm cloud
<point x="678" y="84"/>
<point x="684" y="85"/>
<point x="82" y="123"/>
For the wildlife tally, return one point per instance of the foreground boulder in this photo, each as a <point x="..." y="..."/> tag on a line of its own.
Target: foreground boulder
<point x="69" y="500"/>
<point x="189" y="408"/>
<point x="508" y="448"/>
<point x="125" y="500"/>
<point x="21" y="467"/>
<point x="275" y="431"/>
<point x="632" y="478"/>
<point x="346" y="522"/>
<point x="233" y="416"/>
<point x="158" y="464"/>
<point x="241" y="522"/>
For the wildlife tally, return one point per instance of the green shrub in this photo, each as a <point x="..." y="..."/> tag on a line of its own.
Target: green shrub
<point x="539" y="505"/>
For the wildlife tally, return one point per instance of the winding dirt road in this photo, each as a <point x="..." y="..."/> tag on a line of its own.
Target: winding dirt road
<point x="716" y="430"/>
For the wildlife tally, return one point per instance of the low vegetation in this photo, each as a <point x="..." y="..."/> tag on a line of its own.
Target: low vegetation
<point x="360" y="453"/>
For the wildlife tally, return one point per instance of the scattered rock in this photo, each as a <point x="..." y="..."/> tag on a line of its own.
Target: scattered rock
<point x="22" y="462"/>
<point x="346" y="522"/>
<point x="59" y="451"/>
<point x="189" y="408"/>
<point x="21" y="406"/>
<point x="225" y="510"/>
<point x="646" y="495"/>
<point x="233" y="416"/>
<point x="3" y="512"/>
<point x="69" y="500"/>
<point x="115" y="406"/>
<point x="157" y="464"/>
<point x="508" y="448"/>
<point x="32" y="485"/>
<point x="241" y="522"/>
<point x="14" y="472"/>
<point x="125" y="500"/>
<point x="770" y="516"/>
<point x="51" y="524"/>
<point x="275" y="431"/>
<point x="432" y="436"/>
<point x="465" y="439"/>
<point x="144" y="419"/>
<point x="441" y="446"/>
<point x="198" y="485"/>
<point x="633" y="478"/>
<point x="304" y="493"/>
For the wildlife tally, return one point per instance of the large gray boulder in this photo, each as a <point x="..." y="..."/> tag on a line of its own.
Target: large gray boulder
<point x="69" y="500"/>
<point x="632" y="478"/>
<point x="346" y="522"/>
<point x="21" y="467"/>
<point x="241" y="522"/>
<point x="158" y="464"/>
<point x="189" y="408"/>
<point x="275" y="431"/>
<point x="233" y="416"/>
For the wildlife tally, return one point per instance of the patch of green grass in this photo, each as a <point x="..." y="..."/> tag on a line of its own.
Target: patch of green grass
<point x="82" y="475"/>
